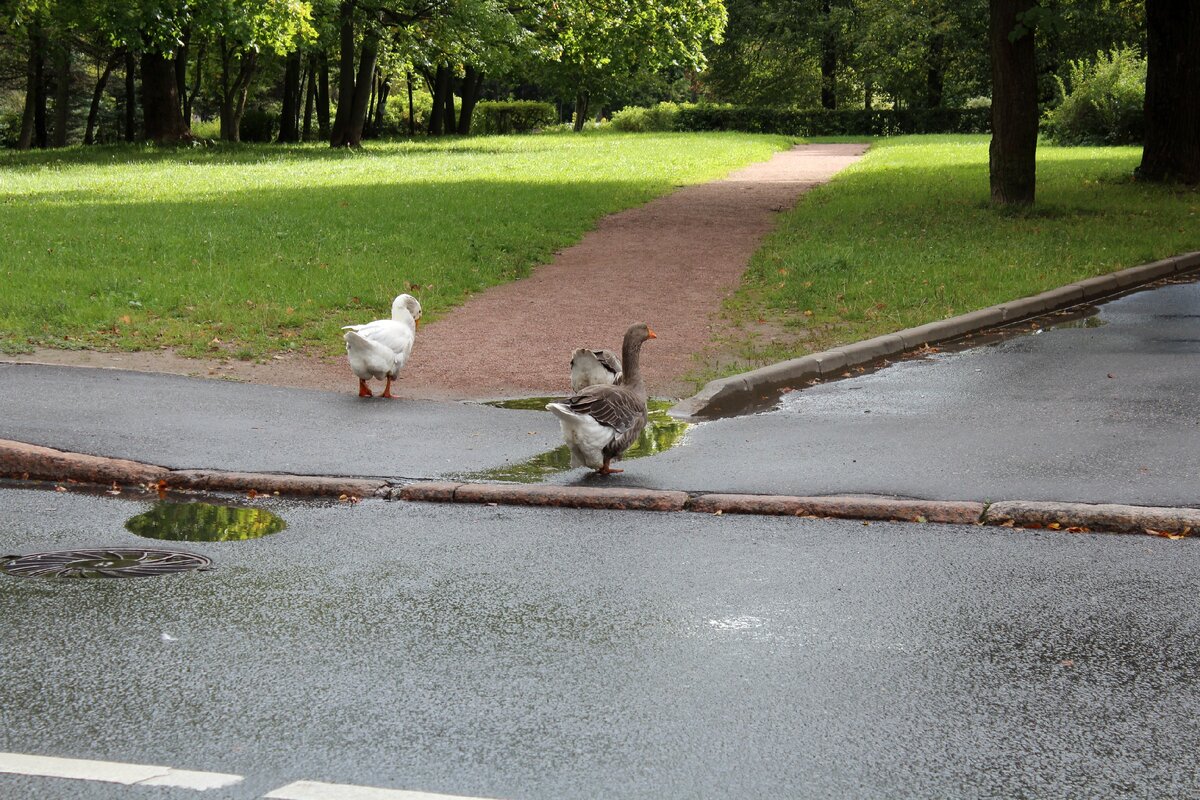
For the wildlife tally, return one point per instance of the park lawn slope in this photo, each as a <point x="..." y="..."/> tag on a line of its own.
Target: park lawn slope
<point x="907" y="236"/>
<point x="250" y="250"/>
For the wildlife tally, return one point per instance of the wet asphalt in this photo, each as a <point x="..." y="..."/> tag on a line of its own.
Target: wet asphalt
<point x="520" y="653"/>
<point x="1104" y="408"/>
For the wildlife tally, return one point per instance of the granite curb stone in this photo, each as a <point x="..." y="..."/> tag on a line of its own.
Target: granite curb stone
<point x="1109" y="517"/>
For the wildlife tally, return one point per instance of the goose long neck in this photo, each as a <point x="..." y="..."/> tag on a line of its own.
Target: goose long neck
<point x="631" y="353"/>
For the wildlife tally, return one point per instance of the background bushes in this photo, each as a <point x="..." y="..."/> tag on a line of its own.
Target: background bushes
<point x="513" y="116"/>
<point x="823" y="122"/>
<point x="1104" y="103"/>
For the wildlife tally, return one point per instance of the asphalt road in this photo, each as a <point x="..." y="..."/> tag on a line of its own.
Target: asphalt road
<point x="518" y="653"/>
<point x="1101" y="409"/>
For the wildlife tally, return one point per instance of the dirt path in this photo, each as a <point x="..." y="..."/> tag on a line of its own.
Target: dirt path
<point x="669" y="263"/>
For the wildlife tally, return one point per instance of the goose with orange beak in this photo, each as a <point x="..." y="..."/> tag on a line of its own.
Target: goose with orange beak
<point x="600" y="422"/>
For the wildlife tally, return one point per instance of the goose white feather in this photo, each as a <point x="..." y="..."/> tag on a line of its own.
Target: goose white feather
<point x="381" y="348"/>
<point x="584" y="436"/>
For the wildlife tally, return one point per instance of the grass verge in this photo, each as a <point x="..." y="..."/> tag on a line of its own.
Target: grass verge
<point x="907" y="236"/>
<point x="247" y="250"/>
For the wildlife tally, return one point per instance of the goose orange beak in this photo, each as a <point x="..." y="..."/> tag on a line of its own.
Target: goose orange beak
<point x="653" y="335"/>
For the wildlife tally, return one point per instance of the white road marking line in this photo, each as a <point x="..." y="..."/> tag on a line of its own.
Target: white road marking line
<point x="113" y="772"/>
<point x="315" y="790"/>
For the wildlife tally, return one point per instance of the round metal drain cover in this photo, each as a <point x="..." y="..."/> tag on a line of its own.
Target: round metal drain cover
<point x="115" y="563"/>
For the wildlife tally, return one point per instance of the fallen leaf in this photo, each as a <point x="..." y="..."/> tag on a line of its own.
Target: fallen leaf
<point x="1054" y="526"/>
<point x="1067" y="662"/>
<point x="718" y="512"/>
<point x="253" y="493"/>
<point x="1111" y="375"/>
<point x="60" y="488"/>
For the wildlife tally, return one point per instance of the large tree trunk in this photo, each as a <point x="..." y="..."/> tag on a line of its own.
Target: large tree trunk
<point x="289" y="111"/>
<point x="323" y="97"/>
<point x="130" y="96"/>
<point x="1172" y="145"/>
<point x="828" y="60"/>
<point x="89" y="135"/>
<point x="340" y="135"/>
<point x="581" y="109"/>
<point x="62" y="93"/>
<point x="310" y="98"/>
<point x="439" y="87"/>
<point x="33" y="73"/>
<point x="472" y="88"/>
<point x="161" y="111"/>
<point x="1013" y="153"/>
<point x="353" y="133"/>
<point x="935" y="71"/>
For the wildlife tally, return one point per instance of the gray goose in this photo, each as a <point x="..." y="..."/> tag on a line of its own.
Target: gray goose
<point x="594" y="368"/>
<point x="600" y="422"/>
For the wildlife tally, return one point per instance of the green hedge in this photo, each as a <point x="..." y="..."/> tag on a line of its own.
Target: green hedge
<point x="512" y="116"/>
<point x="823" y="122"/>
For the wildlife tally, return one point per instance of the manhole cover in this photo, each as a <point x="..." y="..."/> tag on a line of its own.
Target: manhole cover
<point x="102" y="563"/>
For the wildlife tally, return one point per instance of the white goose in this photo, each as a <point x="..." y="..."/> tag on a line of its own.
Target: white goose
<point x="379" y="349"/>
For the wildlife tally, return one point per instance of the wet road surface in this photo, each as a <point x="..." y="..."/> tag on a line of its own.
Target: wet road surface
<point x="518" y="653"/>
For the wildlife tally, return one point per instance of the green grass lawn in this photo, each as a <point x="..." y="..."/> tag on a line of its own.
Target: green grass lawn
<point x="249" y="250"/>
<point x="907" y="236"/>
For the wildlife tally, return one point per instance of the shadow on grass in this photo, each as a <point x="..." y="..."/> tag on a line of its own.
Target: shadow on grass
<point x="275" y="269"/>
<point x="251" y="153"/>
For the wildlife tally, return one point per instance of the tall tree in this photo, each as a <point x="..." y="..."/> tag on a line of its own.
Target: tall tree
<point x="1013" y="152"/>
<point x="1172" y="145"/>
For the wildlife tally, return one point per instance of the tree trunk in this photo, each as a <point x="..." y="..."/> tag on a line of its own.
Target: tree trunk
<point x="323" y="97"/>
<point x="130" y="96"/>
<point x="581" y="109"/>
<point x="935" y="74"/>
<point x="181" y="62"/>
<point x="868" y="95"/>
<point x="385" y="90"/>
<point x="1172" y="145"/>
<point x="412" y="120"/>
<point x="310" y="98"/>
<point x="288" y="130"/>
<point x="1013" y="153"/>
<point x="190" y="97"/>
<point x="340" y="136"/>
<point x="40" y="132"/>
<point x="373" y="97"/>
<point x="362" y="90"/>
<point x="62" y="93"/>
<point x="161" y="111"/>
<point x="89" y="136"/>
<point x="449" y="123"/>
<point x="439" y="87"/>
<point x="472" y="88"/>
<point x="32" y="76"/>
<point x="828" y="60"/>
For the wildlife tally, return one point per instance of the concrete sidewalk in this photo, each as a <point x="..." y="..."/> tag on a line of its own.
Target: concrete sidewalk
<point x="1103" y="408"/>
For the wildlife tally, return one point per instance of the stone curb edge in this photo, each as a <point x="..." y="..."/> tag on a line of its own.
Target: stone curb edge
<point x="35" y="463"/>
<point x="734" y="392"/>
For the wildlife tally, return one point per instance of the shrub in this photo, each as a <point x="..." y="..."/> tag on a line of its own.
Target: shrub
<point x="512" y="116"/>
<point x="1104" y="104"/>
<point x="259" y="124"/>
<point x="395" y="113"/>
<point x="636" y="119"/>
<point x="841" y="122"/>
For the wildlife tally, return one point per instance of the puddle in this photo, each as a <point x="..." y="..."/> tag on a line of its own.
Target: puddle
<point x="204" y="522"/>
<point x="662" y="433"/>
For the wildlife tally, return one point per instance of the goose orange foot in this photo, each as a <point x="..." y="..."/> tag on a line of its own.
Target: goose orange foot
<point x="363" y="389"/>
<point x="607" y="470"/>
<point x="387" y="390"/>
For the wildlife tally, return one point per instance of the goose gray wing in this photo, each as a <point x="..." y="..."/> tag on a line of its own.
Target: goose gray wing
<point x="613" y="406"/>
